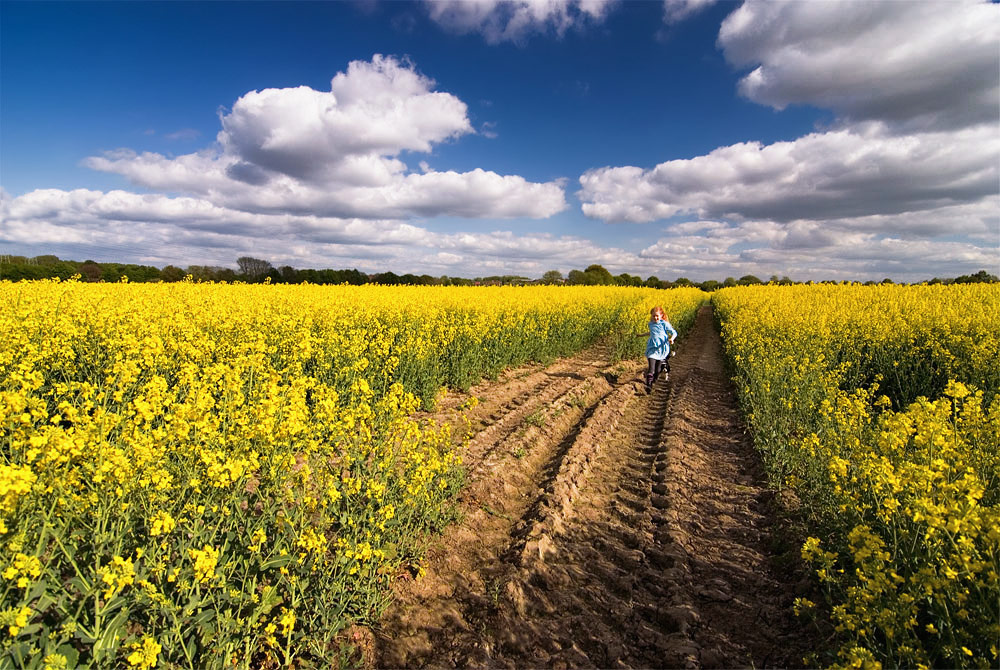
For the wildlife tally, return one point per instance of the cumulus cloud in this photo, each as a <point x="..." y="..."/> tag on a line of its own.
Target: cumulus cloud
<point x="160" y="229"/>
<point x="336" y="153"/>
<point x="916" y="64"/>
<point x="813" y="250"/>
<point x="514" y="20"/>
<point x="855" y="171"/>
<point x="374" y="109"/>
<point x="909" y="169"/>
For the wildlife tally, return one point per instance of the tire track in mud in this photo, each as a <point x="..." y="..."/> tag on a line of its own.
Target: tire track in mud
<point x="604" y="528"/>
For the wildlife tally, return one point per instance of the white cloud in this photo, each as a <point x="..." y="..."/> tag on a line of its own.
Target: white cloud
<point x="160" y="229"/>
<point x="374" y="109"/>
<point x="812" y="250"/>
<point x="858" y="171"/>
<point x="916" y="64"/>
<point x="336" y="154"/>
<point x="514" y="20"/>
<point x="675" y="11"/>
<point x="184" y="134"/>
<point x="904" y="183"/>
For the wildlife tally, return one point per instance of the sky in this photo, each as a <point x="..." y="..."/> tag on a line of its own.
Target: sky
<point x="822" y="140"/>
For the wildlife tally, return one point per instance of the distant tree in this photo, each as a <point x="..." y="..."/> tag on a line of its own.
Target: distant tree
<point x="142" y="273"/>
<point x="652" y="281"/>
<point x="205" y="272"/>
<point x="171" y="273"/>
<point x="729" y="282"/>
<point x="387" y="278"/>
<point x="710" y="285"/>
<point x="47" y="259"/>
<point x="625" y="279"/>
<point x="552" y="277"/>
<point x="981" y="277"/>
<point x="253" y="269"/>
<point x="354" y="277"/>
<point x="886" y="281"/>
<point x="288" y="274"/>
<point x="225" y="274"/>
<point x="112" y="272"/>
<point x="748" y="280"/>
<point x="576" y="278"/>
<point x="597" y="275"/>
<point x="90" y="270"/>
<point x="683" y="281"/>
<point x="19" y="271"/>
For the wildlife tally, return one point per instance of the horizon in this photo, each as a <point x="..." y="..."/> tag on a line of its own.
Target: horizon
<point x="982" y="274"/>
<point x="686" y="138"/>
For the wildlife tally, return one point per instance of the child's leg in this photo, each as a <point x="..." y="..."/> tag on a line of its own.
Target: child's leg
<point x="650" y="372"/>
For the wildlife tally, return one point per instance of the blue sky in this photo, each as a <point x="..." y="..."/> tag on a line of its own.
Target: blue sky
<point x="827" y="140"/>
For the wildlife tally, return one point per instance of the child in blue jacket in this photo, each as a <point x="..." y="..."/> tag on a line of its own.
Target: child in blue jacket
<point x="661" y="336"/>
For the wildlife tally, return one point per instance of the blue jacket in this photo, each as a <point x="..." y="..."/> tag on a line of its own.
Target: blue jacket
<point x="658" y="345"/>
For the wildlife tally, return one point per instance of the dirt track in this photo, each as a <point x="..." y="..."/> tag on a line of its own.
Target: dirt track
<point x="606" y="528"/>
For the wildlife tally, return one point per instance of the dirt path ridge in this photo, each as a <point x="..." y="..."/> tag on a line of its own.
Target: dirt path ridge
<point x="604" y="527"/>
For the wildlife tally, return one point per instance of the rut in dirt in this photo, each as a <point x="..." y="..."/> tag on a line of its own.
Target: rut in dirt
<point x="604" y="527"/>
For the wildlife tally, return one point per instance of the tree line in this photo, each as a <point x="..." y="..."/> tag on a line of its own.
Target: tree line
<point x="255" y="270"/>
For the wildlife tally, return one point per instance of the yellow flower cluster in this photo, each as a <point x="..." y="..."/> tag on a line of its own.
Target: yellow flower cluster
<point x="182" y="460"/>
<point x="145" y="654"/>
<point x="15" y="619"/>
<point x="880" y="407"/>
<point x="205" y="560"/>
<point x="23" y="570"/>
<point x="118" y="574"/>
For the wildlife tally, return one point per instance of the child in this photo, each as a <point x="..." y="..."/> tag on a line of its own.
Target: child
<point x="661" y="336"/>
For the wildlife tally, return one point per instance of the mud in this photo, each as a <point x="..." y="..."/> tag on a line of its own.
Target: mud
<point x="604" y="527"/>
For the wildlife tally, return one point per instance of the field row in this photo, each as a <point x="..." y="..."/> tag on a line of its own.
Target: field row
<point x="879" y="407"/>
<point x="212" y="475"/>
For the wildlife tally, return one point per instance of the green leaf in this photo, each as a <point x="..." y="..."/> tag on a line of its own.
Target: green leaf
<point x="277" y="562"/>
<point x="106" y="645"/>
<point x="203" y="617"/>
<point x="84" y="637"/>
<point x="193" y="602"/>
<point x="19" y="652"/>
<point x="269" y="599"/>
<point x="114" y="605"/>
<point x="36" y="592"/>
<point x="81" y="586"/>
<point x="70" y="653"/>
